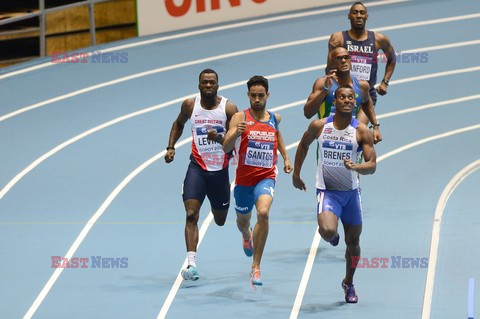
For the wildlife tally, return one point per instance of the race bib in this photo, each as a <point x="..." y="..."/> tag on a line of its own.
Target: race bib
<point x="204" y="145"/>
<point x="361" y="67"/>
<point x="333" y="153"/>
<point x="259" y="154"/>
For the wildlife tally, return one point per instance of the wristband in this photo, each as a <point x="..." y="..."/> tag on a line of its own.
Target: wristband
<point x="325" y="88"/>
<point x="170" y="148"/>
<point x="385" y="81"/>
<point x="376" y="124"/>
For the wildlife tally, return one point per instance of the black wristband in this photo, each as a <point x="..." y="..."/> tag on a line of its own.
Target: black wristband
<point x="373" y="125"/>
<point x="170" y="148"/>
<point x="385" y="81"/>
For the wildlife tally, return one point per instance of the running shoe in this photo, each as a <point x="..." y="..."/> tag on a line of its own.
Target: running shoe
<point x="335" y="240"/>
<point x="190" y="273"/>
<point x="248" y="245"/>
<point x="350" y="294"/>
<point x="255" y="278"/>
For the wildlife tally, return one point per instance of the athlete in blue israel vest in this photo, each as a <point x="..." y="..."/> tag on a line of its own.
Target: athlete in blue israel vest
<point x="207" y="173"/>
<point x="320" y="100"/>
<point x="364" y="47"/>
<point x="340" y="139"/>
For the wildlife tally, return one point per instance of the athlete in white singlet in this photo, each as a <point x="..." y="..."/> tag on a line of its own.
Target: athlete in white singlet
<point x="340" y="138"/>
<point x="207" y="173"/>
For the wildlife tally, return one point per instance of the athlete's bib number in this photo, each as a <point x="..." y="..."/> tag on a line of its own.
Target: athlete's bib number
<point x="259" y="154"/>
<point x="204" y="145"/>
<point x="361" y="67"/>
<point x="333" y="153"/>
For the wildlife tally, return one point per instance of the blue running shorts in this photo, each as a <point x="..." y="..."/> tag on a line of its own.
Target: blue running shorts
<point x="346" y="205"/>
<point x="247" y="196"/>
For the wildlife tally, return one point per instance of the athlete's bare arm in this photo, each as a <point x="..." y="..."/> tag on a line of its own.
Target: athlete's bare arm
<point x="230" y="110"/>
<point x="383" y="43"/>
<point x="287" y="166"/>
<point x="320" y="90"/>
<point x="364" y="139"/>
<point x="312" y="133"/>
<point x="235" y="129"/>
<point x="368" y="111"/>
<point x="177" y="127"/>
<point x="335" y="41"/>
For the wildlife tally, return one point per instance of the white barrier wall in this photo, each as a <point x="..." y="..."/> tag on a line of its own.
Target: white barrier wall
<point x="158" y="16"/>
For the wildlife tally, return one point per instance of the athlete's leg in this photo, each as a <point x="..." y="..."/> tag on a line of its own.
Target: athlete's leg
<point x="328" y="212"/>
<point x="352" y="225"/>
<point x="243" y="206"/>
<point x="362" y="117"/>
<point x="194" y="192"/>
<point x="192" y="209"/>
<point x="243" y="224"/>
<point x="220" y="216"/>
<point x="219" y="195"/>
<point x="260" y="232"/>
<point x="352" y="240"/>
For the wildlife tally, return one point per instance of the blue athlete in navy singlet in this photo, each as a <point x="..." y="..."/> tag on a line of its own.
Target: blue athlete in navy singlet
<point x="364" y="47"/>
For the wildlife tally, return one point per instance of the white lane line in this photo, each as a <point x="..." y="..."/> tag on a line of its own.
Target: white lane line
<point x="313" y="249"/>
<point x="438" y="74"/>
<point x="429" y="106"/>
<point x="471" y="298"/>
<point x="88" y="226"/>
<point x="178" y="281"/>
<point x="208" y="30"/>
<point x="297" y="304"/>
<point x="222" y="56"/>
<point x="426" y="140"/>
<point x="74" y="139"/>
<point x="437" y="221"/>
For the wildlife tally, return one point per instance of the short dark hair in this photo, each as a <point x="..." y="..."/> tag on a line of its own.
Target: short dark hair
<point x="258" y="80"/>
<point x="345" y="86"/>
<point x="358" y="2"/>
<point x="207" y="71"/>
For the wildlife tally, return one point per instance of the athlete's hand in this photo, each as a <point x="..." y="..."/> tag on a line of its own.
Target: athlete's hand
<point x="377" y="136"/>
<point x="382" y="88"/>
<point x="170" y="155"/>
<point x="298" y="183"/>
<point x="349" y="164"/>
<point x="332" y="75"/>
<point x="287" y="166"/>
<point x="241" y="127"/>
<point x="212" y="135"/>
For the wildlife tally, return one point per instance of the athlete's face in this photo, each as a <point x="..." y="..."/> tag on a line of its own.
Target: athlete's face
<point x="258" y="97"/>
<point x="208" y="85"/>
<point x="341" y="60"/>
<point x="358" y="17"/>
<point x="344" y="100"/>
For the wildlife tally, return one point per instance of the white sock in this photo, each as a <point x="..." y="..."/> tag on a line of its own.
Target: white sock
<point x="192" y="258"/>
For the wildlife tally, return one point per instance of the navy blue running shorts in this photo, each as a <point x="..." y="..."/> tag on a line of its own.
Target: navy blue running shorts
<point x="215" y="185"/>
